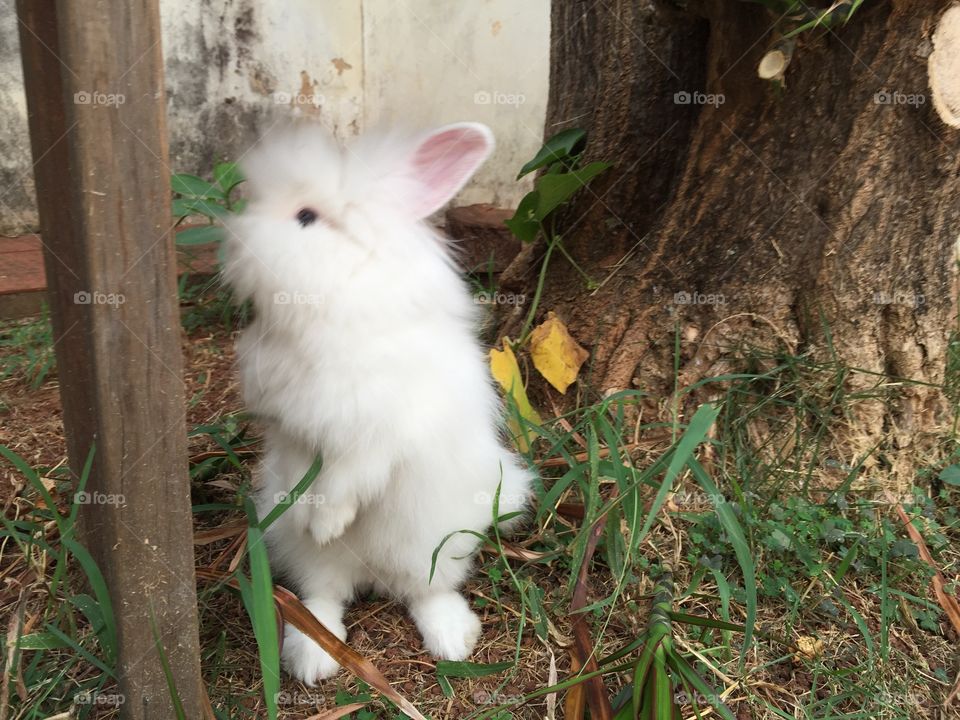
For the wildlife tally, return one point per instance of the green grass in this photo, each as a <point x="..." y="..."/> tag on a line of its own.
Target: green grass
<point x="26" y="349"/>
<point x="26" y="346"/>
<point x="206" y="303"/>
<point x="698" y="555"/>
<point x="70" y="653"/>
<point x="759" y="522"/>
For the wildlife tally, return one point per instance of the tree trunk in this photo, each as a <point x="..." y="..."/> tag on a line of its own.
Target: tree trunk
<point x="817" y="218"/>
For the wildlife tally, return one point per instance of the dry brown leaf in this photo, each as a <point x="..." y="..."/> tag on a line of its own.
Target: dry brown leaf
<point x="222" y="484"/>
<point x="238" y="556"/>
<point x="582" y="652"/>
<point x="204" y="537"/>
<point x="337" y="713"/>
<point x="566" y="425"/>
<point x="294" y="612"/>
<point x="582" y="457"/>
<point x="238" y="451"/>
<point x="552" y="680"/>
<point x="948" y="602"/>
<point x="515" y="552"/>
<point x="9" y="670"/>
<point x="228" y="552"/>
<point x="575" y="704"/>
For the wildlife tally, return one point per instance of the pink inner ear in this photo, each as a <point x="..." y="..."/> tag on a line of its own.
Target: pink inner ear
<point x="443" y="163"/>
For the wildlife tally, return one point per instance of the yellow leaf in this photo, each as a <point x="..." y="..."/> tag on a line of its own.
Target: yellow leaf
<point x="555" y="353"/>
<point x="504" y="368"/>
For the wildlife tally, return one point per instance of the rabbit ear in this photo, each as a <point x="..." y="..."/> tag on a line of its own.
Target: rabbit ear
<point x="443" y="162"/>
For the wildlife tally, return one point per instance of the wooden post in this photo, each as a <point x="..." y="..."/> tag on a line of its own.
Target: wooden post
<point x="93" y="73"/>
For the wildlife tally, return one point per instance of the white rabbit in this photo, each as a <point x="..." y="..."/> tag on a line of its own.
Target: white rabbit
<point x="363" y="348"/>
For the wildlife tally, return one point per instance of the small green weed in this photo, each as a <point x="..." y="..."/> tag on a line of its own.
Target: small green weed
<point x="26" y="349"/>
<point x="214" y="200"/>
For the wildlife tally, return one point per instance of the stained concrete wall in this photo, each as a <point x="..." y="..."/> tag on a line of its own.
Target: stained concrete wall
<point x="17" y="211"/>
<point x="235" y="67"/>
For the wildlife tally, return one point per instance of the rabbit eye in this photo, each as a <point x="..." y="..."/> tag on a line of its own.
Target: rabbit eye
<point x="306" y="216"/>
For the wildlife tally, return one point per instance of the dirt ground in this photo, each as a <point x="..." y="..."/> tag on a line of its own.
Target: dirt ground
<point x="31" y="425"/>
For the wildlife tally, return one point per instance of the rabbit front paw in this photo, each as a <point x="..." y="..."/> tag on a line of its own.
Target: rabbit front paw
<point x="329" y="522"/>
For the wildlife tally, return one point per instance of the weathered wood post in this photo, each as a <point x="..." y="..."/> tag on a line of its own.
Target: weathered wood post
<point x="94" y="81"/>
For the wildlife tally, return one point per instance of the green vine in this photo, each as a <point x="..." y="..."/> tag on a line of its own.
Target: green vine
<point x="535" y="217"/>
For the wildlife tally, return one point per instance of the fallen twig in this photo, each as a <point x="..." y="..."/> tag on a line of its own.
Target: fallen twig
<point x="948" y="602"/>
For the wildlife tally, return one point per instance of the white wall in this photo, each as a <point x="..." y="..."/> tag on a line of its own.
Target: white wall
<point x="234" y="67"/>
<point x="17" y="211"/>
<point x="476" y="60"/>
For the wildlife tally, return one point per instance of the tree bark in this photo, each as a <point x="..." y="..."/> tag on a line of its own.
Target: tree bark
<point x="817" y="218"/>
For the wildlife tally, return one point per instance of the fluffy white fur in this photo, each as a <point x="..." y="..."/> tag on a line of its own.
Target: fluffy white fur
<point x="363" y="348"/>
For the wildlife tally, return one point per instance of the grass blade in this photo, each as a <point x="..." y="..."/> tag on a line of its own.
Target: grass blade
<point x="695" y="433"/>
<point x="740" y="548"/>
<point x="291" y="497"/>
<point x="108" y="638"/>
<point x="167" y="673"/>
<point x="257" y="596"/>
<point x="700" y="685"/>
